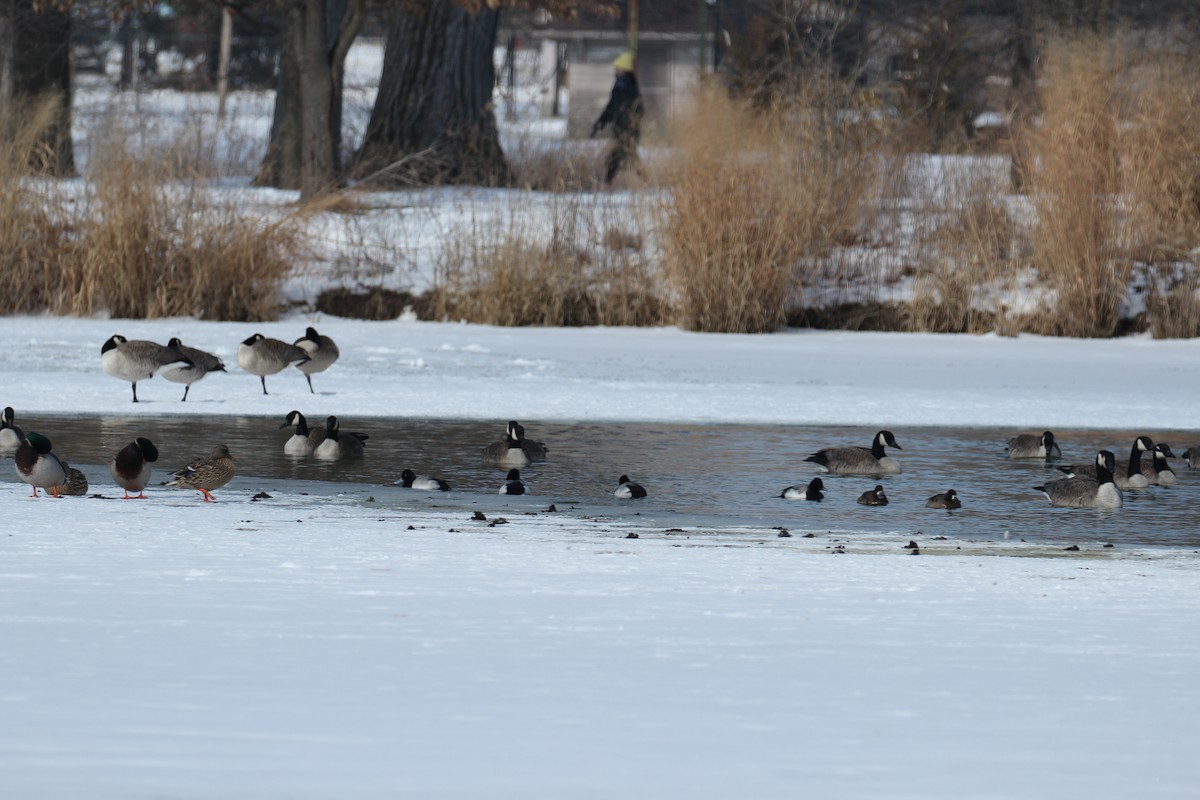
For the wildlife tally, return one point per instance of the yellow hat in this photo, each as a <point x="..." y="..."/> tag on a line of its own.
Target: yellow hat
<point x="624" y="62"/>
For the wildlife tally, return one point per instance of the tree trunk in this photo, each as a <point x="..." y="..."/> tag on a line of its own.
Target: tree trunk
<point x="35" y="67"/>
<point x="434" y="121"/>
<point x="306" y="129"/>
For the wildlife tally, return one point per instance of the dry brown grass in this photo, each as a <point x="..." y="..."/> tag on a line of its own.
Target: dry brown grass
<point x="749" y="193"/>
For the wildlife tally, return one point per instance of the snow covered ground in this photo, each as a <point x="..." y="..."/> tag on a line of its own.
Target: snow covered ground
<point x="333" y="644"/>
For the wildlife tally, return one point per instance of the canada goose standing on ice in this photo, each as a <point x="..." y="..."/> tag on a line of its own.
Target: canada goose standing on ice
<point x="339" y="445"/>
<point x="860" y="460"/>
<point x="322" y="352"/>
<point x="513" y="484"/>
<point x="207" y="473"/>
<point x="411" y="480"/>
<point x="10" y="435"/>
<point x="1126" y="474"/>
<point x="810" y="492"/>
<point x="515" y="449"/>
<point x="874" y="497"/>
<point x="136" y="360"/>
<point x="261" y="356"/>
<point x="199" y="364"/>
<point x="1030" y="445"/>
<point x="303" y="440"/>
<point x="38" y="466"/>
<point x="1084" y="491"/>
<point x="628" y="490"/>
<point x="131" y="467"/>
<point x="947" y="499"/>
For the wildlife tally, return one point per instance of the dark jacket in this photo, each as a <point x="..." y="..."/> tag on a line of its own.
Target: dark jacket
<point x="624" y="109"/>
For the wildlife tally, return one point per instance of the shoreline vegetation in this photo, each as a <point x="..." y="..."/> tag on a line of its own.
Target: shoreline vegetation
<point x="820" y="211"/>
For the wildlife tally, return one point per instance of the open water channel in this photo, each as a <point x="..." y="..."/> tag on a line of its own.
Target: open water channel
<point x="721" y="476"/>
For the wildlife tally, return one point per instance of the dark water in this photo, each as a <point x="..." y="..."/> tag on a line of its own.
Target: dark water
<point x="720" y="476"/>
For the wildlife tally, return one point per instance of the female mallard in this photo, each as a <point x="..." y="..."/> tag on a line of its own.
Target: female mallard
<point x="137" y="360"/>
<point x="860" y="460"/>
<point x="76" y="484"/>
<point x="38" y="466"/>
<point x="515" y="450"/>
<point x="628" y="490"/>
<point x="322" y="352"/>
<point x="411" y="480"/>
<point x="261" y="356"/>
<point x="206" y="474"/>
<point x="131" y="467"/>
<point x="10" y="435"/>
<point x="810" y="492"/>
<point x="199" y="364"/>
<point x="1084" y="491"/>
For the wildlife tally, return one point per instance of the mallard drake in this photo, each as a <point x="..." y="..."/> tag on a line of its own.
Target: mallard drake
<point x="207" y="473"/>
<point x="304" y="439"/>
<point x="322" y="352"/>
<point x="628" y="490"/>
<point x="131" y="467"/>
<point x="10" y="435"/>
<point x="860" y="460"/>
<point x="875" y="497"/>
<point x="810" y="492"/>
<point x="411" y="480"/>
<point x="136" y="360"/>
<point x="1031" y="445"/>
<point x="38" y="466"/>
<point x="1084" y="491"/>
<point x="337" y="445"/>
<point x="261" y="356"/>
<point x="947" y="499"/>
<point x="513" y="484"/>
<point x="199" y="364"/>
<point x="515" y="449"/>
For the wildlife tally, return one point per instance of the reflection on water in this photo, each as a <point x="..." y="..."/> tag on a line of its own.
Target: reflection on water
<point x="727" y="475"/>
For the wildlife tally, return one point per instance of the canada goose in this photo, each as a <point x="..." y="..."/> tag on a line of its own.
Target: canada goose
<point x="515" y="450"/>
<point x="874" y="497"/>
<point x="10" y="435"/>
<point x="1191" y="457"/>
<point x="304" y="440"/>
<point x="207" y="473"/>
<point x="38" y="466"/>
<point x="76" y="484"/>
<point x="810" y="492"/>
<point x="947" y="499"/>
<point x="628" y="490"/>
<point x="1126" y="474"/>
<point x="1030" y="445"/>
<point x="1084" y="491"/>
<point x="262" y="356"/>
<point x="199" y="364"/>
<point x="411" y="480"/>
<point x="131" y="467"/>
<point x="136" y="360"/>
<point x="339" y="445"/>
<point x="322" y="352"/>
<point x="860" y="460"/>
<point x="513" y="484"/>
<point x="1157" y="469"/>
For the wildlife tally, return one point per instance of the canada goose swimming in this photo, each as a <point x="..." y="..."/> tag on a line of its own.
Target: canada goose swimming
<point x="199" y="364"/>
<point x="38" y="466"/>
<point x="1191" y="457"/>
<point x="304" y="440"/>
<point x="1030" y="445"/>
<point x="515" y="450"/>
<point x="860" y="460"/>
<point x="874" y="497"/>
<point x="1157" y="469"/>
<point x="1126" y="474"/>
<point x="947" y="499"/>
<point x="207" y="473"/>
<point x="512" y="484"/>
<point x="261" y="356"/>
<point x="1084" y="491"/>
<point x="76" y="484"/>
<point x="131" y="467"/>
<point x="10" y="435"/>
<point x="411" y="480"/>
<point x="137" y="360"/>
<point x="628" y="490"/>
<point x="339" y="445"/>
<point x="810" y="492"/>
<point x="322" y="352"/>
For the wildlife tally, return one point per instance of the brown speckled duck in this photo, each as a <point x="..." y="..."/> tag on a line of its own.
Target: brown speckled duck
<point x="206" y="474"/>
